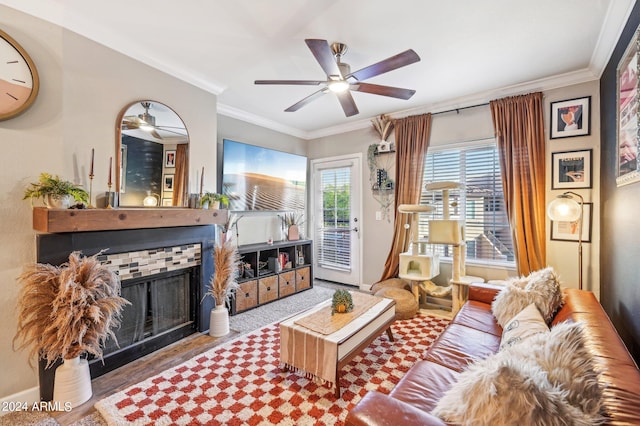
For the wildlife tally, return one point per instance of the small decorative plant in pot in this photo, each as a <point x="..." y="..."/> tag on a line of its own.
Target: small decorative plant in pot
<point x="213" y="200"/>
<point x="66" y="312"/>
<point x="55" y="192"/>
<point x="291" y="223"/>
<point x="342" y="302"/>
<point x="223" y="283"/>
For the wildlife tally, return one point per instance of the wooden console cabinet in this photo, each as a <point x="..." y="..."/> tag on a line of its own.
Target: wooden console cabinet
<point x="272" y="271"/>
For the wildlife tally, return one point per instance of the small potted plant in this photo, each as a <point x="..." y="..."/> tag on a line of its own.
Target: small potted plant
<point x="213" y="200"/>
<point x="55" y="192"/>
<point x="291" y="223"/>
<point x="342" y="302"/>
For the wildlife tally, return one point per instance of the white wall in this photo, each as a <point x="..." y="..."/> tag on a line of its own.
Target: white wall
<point x="83" y="86"/>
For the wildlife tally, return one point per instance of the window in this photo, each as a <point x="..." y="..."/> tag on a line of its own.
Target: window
<point x="480" y="203"/>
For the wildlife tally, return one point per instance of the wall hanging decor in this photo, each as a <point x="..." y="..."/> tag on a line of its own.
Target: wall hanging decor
<point x="571" y="169"/>
<point x="571" y="118"/>
<point x="628" y="116"/>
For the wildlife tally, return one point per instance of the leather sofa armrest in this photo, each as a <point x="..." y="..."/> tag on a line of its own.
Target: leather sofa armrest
<point x="379" y="409"/>
<point x="484" y="292"/>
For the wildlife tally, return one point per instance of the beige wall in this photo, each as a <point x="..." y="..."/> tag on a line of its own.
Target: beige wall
<point x="563" y="255"/>
<point x="83" y="87"/>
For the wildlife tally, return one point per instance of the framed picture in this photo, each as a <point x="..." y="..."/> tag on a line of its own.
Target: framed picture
<point x="568" y="231"/>
<point x="628" y="116"/>
<point x="170" y="158"/>
<point x="571" y="118"/>
<point x="167" y="184"/>
<point x="167" y="202"/>
<point x="571" y="169"/>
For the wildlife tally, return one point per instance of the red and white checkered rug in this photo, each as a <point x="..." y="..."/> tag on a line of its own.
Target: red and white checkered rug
<point x="242" y="383"/>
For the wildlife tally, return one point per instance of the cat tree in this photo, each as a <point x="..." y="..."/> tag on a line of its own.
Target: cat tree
<point x="417" y="265"/>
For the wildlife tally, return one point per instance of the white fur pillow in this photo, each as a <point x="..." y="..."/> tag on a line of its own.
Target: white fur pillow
<point x="540" y="287"/>
<point x="527" y="323"/>
<point x="548" y="381"/>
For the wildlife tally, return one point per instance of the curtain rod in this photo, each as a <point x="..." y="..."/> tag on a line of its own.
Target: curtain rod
<point x="457" y="110"/>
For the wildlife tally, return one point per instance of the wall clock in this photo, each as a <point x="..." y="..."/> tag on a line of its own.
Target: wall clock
<point x="19" y="81"/>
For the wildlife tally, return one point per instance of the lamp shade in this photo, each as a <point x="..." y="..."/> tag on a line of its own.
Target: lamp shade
<point x="564" y="208"/>
<point x="151" y="200"/>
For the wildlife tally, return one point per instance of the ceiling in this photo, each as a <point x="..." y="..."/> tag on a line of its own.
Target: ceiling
<point x="471" y="51"/>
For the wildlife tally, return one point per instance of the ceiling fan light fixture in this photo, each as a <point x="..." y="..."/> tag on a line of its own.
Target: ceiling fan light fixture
<point x="338" y="86"/>
<point x="146" y="127"/>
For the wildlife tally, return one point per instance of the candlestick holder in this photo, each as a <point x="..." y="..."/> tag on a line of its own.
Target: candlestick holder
<point x="109" y="206"/>
<point x="90" y="206"/>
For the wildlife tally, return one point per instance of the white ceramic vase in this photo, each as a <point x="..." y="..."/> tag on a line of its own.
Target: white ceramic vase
<point x="72" y="382"/>
<point x="63" y="202"/>
<point x="219" y="322"/>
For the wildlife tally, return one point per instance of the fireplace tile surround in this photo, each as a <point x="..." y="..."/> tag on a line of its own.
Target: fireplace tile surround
<point x="136" y="253"/>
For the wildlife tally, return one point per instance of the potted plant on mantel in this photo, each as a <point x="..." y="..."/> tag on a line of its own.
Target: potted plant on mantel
<point x="66" y="312"/>
<point x="222" y="285"/>
<point x="213" y="200"/>
<point x="55" y="192"/>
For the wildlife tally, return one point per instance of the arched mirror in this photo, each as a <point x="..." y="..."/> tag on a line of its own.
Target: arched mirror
<point x="152" y="150"/>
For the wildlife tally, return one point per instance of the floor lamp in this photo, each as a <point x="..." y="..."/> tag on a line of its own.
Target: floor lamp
<point x="565" y="208"/>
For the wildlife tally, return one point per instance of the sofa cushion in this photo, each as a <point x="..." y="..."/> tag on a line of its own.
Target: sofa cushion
<point x="478" y="315"/>
<point x="527" y="323"/>
<point x="458" y="346"/>
<point x="550" y="380"/>
<point x="423" y="385"/>
<point x="540" y="287"/>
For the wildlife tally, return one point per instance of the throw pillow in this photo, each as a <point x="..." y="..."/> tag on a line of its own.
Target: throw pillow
<point x="527" y="323"/>
<point x="548" y="381"/>
<point x="563" y="355"/>
<point x="540" y="287"/>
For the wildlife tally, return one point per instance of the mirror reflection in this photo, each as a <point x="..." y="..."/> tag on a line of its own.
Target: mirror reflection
<point x="153" y="152"/>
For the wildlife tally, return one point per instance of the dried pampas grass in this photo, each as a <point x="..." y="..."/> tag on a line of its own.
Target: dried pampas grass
<point x="383" y="125"/>
<point x="226" y="261"/>
<point x="68" y="310"/>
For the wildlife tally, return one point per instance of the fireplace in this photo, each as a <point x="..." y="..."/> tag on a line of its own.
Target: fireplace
<point x="163" y="273"/>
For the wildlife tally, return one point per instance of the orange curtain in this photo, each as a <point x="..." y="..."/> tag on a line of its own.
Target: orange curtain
<point x="519" y="126"/>
<point x="180" y="178"/>
<point x="412" y="141"/>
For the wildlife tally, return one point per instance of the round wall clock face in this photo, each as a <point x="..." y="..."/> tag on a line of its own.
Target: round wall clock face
<point x="18" y="78"/>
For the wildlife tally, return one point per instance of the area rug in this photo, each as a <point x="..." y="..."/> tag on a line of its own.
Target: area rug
<point x="242" y="383"/>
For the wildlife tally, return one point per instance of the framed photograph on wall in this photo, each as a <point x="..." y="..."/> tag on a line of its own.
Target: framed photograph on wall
<point x="628" y="115"/>
<point x="571" y="169"/>
<point x="170" y="158"/>
<point x="568" y="231"/>
<point x="167" y="202"/>
<point x="167" y="183"/>
<point x="571" y="118"/>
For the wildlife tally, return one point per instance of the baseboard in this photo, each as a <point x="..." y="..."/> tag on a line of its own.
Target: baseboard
<point x="25" y="398"/>
<point x="366" y="288"/>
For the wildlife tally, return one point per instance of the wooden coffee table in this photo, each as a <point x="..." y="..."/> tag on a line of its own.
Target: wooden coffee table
<point x="345" y="344"/>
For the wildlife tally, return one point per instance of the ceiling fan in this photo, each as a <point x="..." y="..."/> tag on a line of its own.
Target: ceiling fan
<point x="147" y="122"/>
<point x="341" y="80"/>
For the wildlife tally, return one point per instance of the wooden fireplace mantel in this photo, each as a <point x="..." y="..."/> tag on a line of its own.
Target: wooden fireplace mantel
<point x="81" y="220"/>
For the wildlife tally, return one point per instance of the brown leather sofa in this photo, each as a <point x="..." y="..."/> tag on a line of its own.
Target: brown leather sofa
<point x="474" y="334"/>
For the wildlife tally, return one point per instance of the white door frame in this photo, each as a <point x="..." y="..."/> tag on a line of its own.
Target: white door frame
<point x="357" y="158"/>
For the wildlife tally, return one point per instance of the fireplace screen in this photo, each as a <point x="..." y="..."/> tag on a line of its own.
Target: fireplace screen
<point x="159" y="304"/>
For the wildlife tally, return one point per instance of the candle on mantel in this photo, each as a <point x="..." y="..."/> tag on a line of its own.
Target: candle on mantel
<point x="201" y="180"/>
<point x="110" y="164"/>
<point x="91" y="170"/>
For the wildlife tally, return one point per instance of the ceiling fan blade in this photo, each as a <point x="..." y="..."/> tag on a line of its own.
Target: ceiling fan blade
<point x="292" y="82"/>
<point x="376" y="89"/>
<point x="324" y="56"/>
<point x="155" y="134"/>
<point x="348" y="104"/>
<point x="305" y="101"/>
<point x="398" y="61"/>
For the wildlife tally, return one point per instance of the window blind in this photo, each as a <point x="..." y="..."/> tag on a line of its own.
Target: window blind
<point x="333" y="245"/>
<point x="480" y="203"/>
